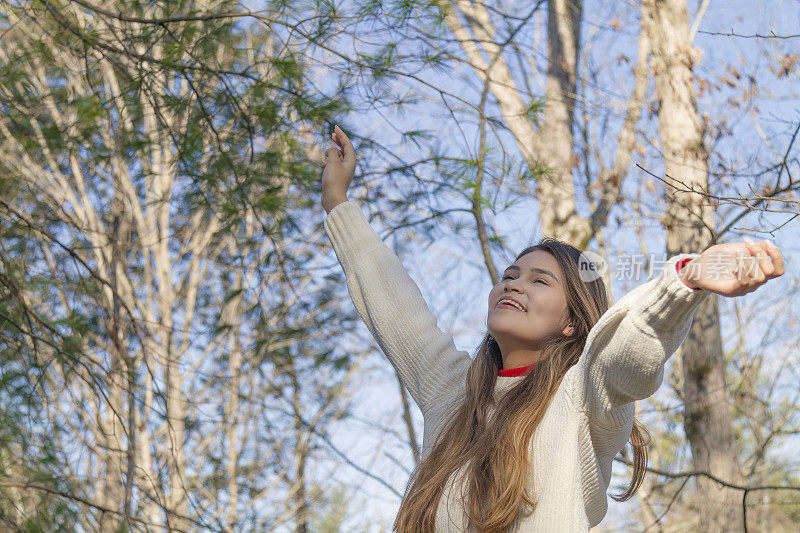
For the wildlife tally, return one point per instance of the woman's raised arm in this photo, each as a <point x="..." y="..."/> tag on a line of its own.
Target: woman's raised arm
<point x="387" y="298"/>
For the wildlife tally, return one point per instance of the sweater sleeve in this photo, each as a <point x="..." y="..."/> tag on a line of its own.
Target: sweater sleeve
<point x="393" y="308"/>
<point x="626" y="350"/>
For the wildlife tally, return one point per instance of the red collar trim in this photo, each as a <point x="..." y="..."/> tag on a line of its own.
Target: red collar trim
<point x="512" y="372"/>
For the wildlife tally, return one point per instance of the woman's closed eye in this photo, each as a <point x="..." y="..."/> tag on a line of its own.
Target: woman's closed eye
<point x="538" y="280"/>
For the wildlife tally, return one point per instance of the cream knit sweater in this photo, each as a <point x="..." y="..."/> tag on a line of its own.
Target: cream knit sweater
<point x="590" y="417"/>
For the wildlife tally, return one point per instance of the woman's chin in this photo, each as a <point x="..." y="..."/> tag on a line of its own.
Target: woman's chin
<point x="504" y="324"/>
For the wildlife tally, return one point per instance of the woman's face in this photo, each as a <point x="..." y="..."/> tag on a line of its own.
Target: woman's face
<point x="536" y="282"/>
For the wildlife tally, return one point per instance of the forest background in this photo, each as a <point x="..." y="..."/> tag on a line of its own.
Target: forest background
<point x="178" y="350"/>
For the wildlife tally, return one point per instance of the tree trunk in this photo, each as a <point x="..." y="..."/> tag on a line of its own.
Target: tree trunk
<point x="708" y="422"/>
<point x="556" y="191"/>
<point x="300" y="497"/>
<point x="550" y="144"/>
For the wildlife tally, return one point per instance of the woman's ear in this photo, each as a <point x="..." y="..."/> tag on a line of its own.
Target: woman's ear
<point x="569" y="330"/>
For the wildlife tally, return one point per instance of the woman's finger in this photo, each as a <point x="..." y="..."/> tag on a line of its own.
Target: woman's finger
<point x="746" y="265"/>
<point x="330" y="152"/>
<point x="347" y="147"/>
<point x="764" y="262"/>
<point x="337" y="140"/>
<point x="777" y="260"/>
<point x="757" y="262"/>
<point x="759" y="249"/>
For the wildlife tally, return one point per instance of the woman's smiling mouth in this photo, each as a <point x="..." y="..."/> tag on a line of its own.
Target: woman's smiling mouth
<point x="511" y="304"/>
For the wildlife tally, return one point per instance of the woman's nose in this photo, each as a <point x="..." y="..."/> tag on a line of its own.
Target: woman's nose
<point x="510" y="287"/>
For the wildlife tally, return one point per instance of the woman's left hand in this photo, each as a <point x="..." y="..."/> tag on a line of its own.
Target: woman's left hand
<point x="734" y="269"/>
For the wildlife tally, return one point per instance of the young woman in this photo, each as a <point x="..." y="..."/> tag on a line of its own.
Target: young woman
<point x="522" y="438"/>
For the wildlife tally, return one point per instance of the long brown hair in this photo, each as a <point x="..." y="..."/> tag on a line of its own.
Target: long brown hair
<point x="495" y="449"/>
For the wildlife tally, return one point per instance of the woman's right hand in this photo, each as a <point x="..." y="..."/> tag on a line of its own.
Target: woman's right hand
<point x="340" y="167"/>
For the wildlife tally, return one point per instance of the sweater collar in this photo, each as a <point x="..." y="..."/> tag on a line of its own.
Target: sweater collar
<point x="514" y="372"/>
<point x="508" y="379"/>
